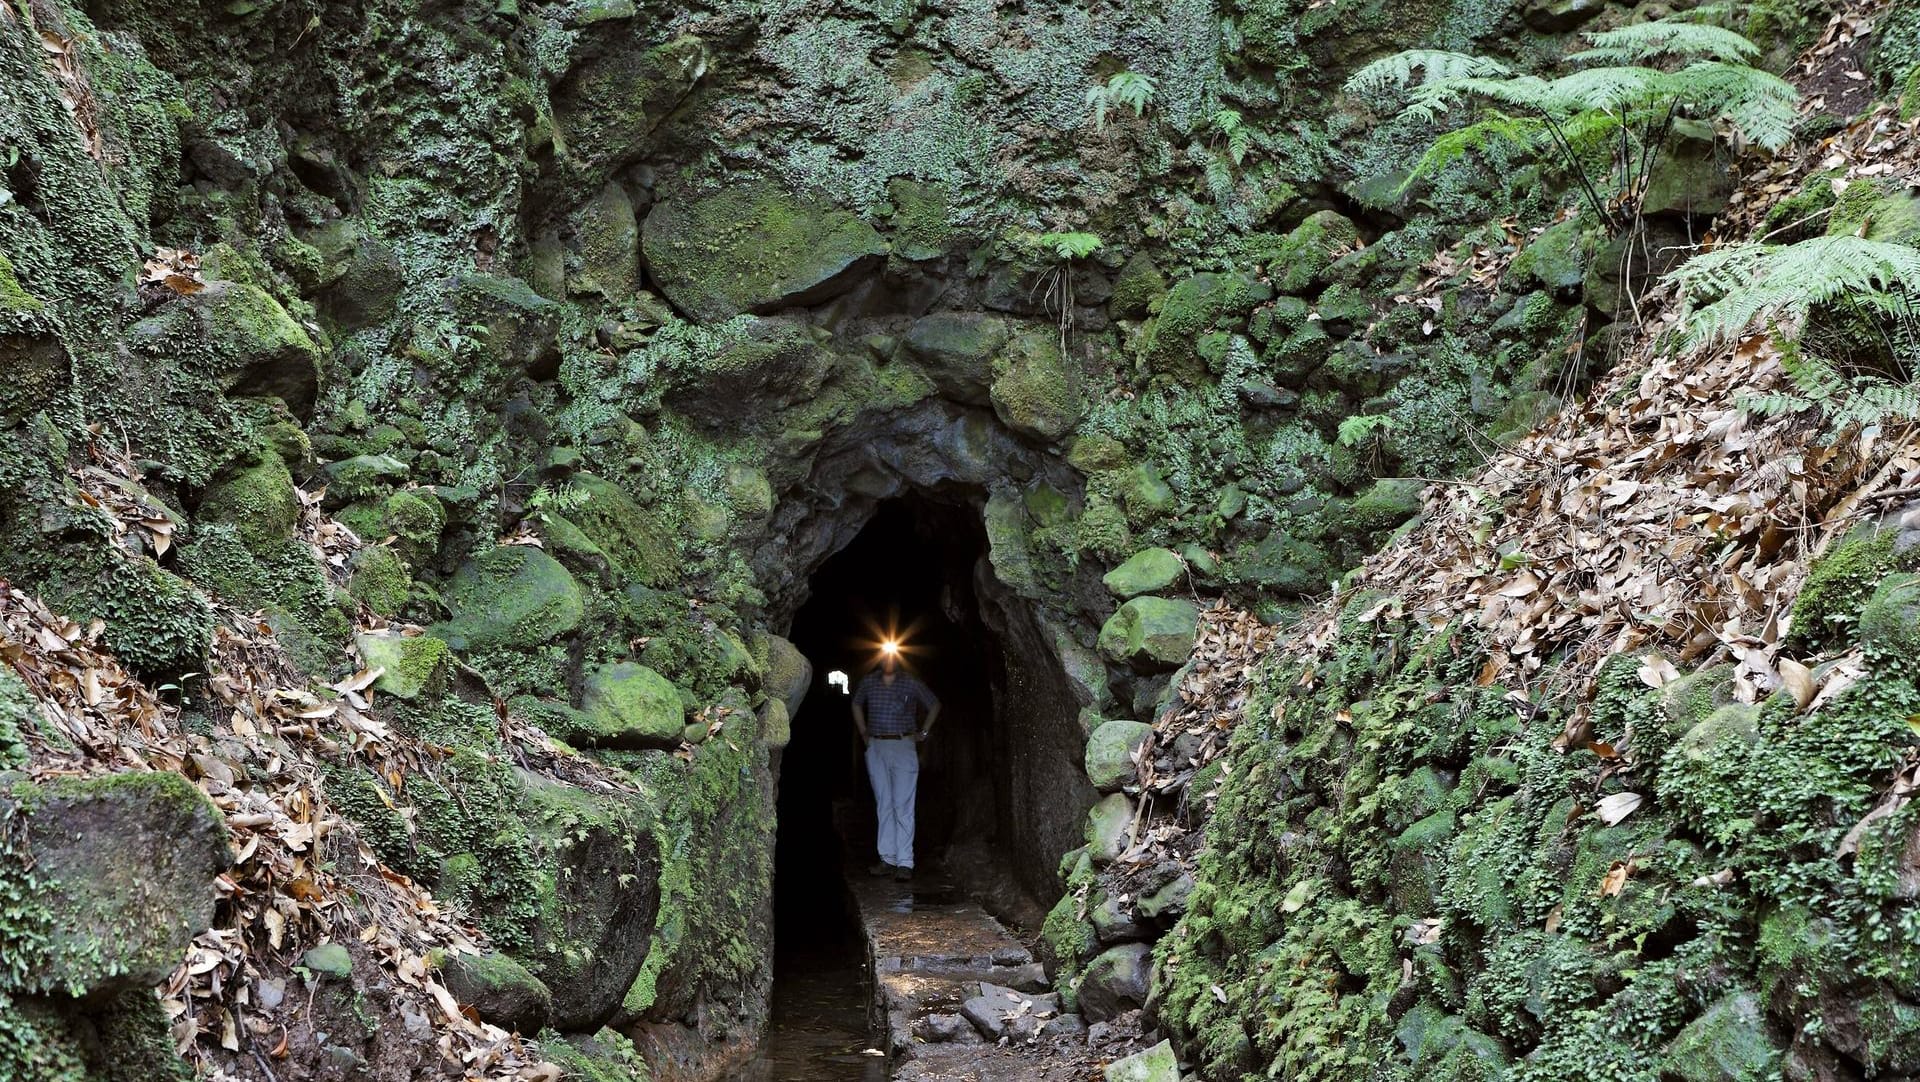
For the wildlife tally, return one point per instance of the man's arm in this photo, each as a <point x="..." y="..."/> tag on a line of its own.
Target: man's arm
<point x="932" y="703"/>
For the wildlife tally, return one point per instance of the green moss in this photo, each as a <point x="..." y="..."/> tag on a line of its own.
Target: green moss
<point x="379" y="580"/>
<point x="258" y="500"/>
<point x="635" y="540"/>
<point x="1038" y="389"/>
<point x="413" y="665"/>
<point x="1301" y="258"/>
<point x="512" y="597"/>
<point x="1828" y="606"/>
<point x="1202" y="303"/>
<point x="752" y="249"/>
<point x="1137" y="286"/>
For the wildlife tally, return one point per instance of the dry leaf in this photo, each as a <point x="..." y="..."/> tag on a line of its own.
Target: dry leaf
<point x="1612" y="809"/>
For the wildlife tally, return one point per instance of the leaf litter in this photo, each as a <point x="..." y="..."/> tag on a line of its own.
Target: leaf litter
<point x="300" y="876"/>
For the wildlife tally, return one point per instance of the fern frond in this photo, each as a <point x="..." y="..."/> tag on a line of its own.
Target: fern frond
<point x="1746" y="283"/>
<point x="1492" y="129"/>
<point x="1761" y="105"/>
<point x="1773" y="404"/>
<point x="1397" y="72"/>
<point x="1642" y="42"/>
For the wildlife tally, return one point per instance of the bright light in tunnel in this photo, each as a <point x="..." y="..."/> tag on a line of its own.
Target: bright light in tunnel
<point x="838" y="679"/>
<point x="890" y="648"/>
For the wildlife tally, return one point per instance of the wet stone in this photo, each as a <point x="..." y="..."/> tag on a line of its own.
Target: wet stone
<point x="946" y="1028"/>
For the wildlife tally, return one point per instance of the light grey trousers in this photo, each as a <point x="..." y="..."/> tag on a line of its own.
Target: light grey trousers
<point x="893" y="766"/>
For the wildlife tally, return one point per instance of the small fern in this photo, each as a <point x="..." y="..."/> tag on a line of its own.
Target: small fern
<point x="1358" y="429"/>
<point x="1230" y="124"/>
<point x="558" y="499"/>
<point x="1070" y="245"/>
<point x="1127" y="88"/>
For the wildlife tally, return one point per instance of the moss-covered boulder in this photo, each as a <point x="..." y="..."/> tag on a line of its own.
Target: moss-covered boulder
<point x="957" y="350"/>
<point x="1151" y="632"/>
<point x="755" y="249"/>
<point x="1302" y="258"/>
<point x="1109" y="824"/>
<point x="109" y="879"/>
<point x="788" y="673"/>
<point x="1729" y="1040"/>
<point x="1156" y="1064"/>
<point x="240" y="336"/>
<point x="410" y="664"/>
<point x="499" y="989"/>
<point x="612" y="98"/>
<point x="1145" y="572"/>
<point x="1170" y="349"/>
<point x="606" y="253"/>
<point x="1110" y="751"/>
<point x="637" y="541"/>
<point x="1115" y="981"/>
<point x="1890" y="620"/>
<point x="1877" y="210"/>
<point x="596" y="893"/>
<point x="629" y="706"/>
<point x="771" y="364"/>
<point x="1037" y="389"/>
<point x="1138" y="285"/>
<point x="362" y="477"/>
<point x="256" y="498"/>
<point x="511" y="596"/>
<point x="519" y="324"/>
<point x="409" y="520"/>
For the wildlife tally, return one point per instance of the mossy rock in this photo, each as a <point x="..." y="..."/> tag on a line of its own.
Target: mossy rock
<point x="254" y="346"/>
<point x="520" y="324"/>
<point x="413" y="664"/>
<point x="1145" y="572"/>
<point x="606" y="108"/>
<point x="1138" y="285"/>
<point x="1109" y="823"/>
<point x="1827" y="608"/>
<point x="1728" y="1042"/>
<point x="1110" y="750"/>
<point x="1876" y="209"/>
<point x="605" y="1056"/>
<point x="1890" y="620"/>
<point x="1556" y="260"/>
<point x="1037" y="389"/>
<point x="499" y="989"/>
<point x="921" y="227"/>
<point x="511" y="596"/>
<point x="629" y="706"/>
<point x="755" y="249"/>
<point x="769" y="365"/>
<point x="328" y="962"/>
<point x="362" y="477"/>
<point x="121" y="880"/>
<point x="1385" y="504"/>
<point x="413" y="518"/>
<point x="788" y="675"/>
<point x="156" y="621"/>
<point x="258" y="500"/>
<point x="1285" y="565"/>
<point x="637" y="541"/>
<point x="1205" y="302"/>
<point x="606" y="256"/>
<point x="1301" y="259"/>
<point x="957" y="351"/>
<point x="1009" y="548"/>
<point x="1156" y="1064"/>
<point x="1690" y="175"/>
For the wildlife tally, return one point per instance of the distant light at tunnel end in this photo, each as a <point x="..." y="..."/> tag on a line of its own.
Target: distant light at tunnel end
<point x="838" y="679"/>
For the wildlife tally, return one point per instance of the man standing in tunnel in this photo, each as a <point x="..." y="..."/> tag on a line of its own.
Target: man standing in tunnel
<point x="886" y="710"/>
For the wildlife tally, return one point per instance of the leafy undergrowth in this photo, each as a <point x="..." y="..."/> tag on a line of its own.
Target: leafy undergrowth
<point x="254" y="744"/>
<point x="1604" y="769"/>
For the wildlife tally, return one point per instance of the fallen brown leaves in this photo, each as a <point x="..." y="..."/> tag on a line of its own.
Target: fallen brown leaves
<point x="300" y="875"/>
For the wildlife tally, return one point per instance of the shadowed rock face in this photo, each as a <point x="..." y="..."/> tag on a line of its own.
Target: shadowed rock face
<point x="123" y="872"/>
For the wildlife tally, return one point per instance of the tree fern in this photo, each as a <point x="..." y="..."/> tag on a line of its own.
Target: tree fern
<point x="1620" y="102"/>
<point x="1397" y="72"/>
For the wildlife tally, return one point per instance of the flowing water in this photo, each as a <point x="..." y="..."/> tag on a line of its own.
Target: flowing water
<point x="818" y="1031"/>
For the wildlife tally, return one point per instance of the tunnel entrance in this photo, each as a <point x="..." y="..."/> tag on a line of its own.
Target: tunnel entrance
<point x="908" y="574"/>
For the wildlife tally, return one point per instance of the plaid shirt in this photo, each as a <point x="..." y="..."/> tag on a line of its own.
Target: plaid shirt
<point x="889" y="707"/>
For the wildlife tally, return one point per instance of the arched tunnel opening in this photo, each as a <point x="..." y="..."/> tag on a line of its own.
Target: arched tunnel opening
<point x="1001" y="792"/>
<point x="908" y="575"/>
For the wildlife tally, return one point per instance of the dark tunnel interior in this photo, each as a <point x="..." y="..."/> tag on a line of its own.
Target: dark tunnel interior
<point x="908" y="574"/>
